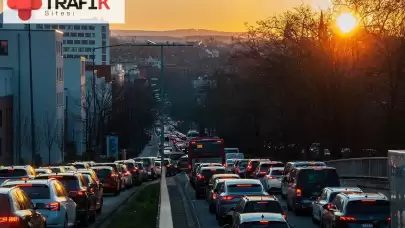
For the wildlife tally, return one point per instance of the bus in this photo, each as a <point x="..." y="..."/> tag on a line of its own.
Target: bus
<point x="205" y="150"/>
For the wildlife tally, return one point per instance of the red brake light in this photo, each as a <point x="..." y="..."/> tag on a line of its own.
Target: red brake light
<point x="284" y="216"/>
<point x="214" y="196"/>
<point x="227" y="198"/>
<point x="56" y="177"/>
<point x="343" y="218"/>
<point x="77" y="193"/>
<point x="189" y="166"/>
<point x="10" y="169"/>
<point x="270" y="177"/>
<point x="25" y="178"/>
<point x="263" y="202"/>
<point x="24" y="185"/>
<point x="12" y="219"/>
<point x="264" y="222"/>
<point x="199" y="176"/>
<point x="389" y="219"/>
<point x="55" y="206"/>
<point x="299" y="192"/>
<point x="370" y="201"/>
<point x="244" y="185"/>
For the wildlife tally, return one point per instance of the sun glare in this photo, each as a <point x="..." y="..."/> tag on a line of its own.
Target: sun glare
<point x="346" y="22"/>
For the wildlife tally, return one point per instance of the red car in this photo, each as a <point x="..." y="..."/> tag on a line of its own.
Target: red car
<point x="109" y="178"/>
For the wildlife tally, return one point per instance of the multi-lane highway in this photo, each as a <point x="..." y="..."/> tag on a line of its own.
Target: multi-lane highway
<point x="203" y="219"/>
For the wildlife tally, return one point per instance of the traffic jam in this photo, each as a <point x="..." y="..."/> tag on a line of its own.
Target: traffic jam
<point x="242" y="192"/>
<point x="70" y="195"/>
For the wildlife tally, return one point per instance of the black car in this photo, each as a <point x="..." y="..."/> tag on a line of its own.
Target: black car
<point x="84" y="196"/>
<point x="23" y="215"/>
<point x="202" y="178"/>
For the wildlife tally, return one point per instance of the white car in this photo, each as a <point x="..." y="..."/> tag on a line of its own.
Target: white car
<point x="326" y="196"/>
<point x="158" y="168"/>
<point x="52" y="200"/>
<point x="272" y="180"/>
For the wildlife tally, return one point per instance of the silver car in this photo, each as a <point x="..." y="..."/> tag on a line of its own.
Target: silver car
<point x="230" y="194"/>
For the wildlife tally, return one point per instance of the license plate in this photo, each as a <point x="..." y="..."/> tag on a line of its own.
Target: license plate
<point x="367" y="225"/>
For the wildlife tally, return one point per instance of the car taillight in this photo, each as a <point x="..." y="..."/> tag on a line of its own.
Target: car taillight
<point x="135" y="170"/>
<point x="389" y="219"/>
<point x="284" y="216"/>
<point x="214" y="196"/>
<point x="11" y="219"/>
<point x="299" y="192"/>
<point x="226" y="198"/>
<point x="77" y="193"/>
<point x="55" y="206"/>
<point x="249" y="167"/>
<point x="271" y="177"/>
<point x="189" y="166"/>
<point x="343" y="218"/>
<point x="126" y="174"/>
<point x="262" y="172"/>
<point x="199" y="176"/>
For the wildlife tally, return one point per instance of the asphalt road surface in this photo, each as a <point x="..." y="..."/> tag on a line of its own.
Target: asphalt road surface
<point x="207" y="220"/>
<point x="111" y="202"/>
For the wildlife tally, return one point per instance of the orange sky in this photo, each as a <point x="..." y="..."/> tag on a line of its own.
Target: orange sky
<point x="224" y="15"/>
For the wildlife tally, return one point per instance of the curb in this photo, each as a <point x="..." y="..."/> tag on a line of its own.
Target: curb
<point x="102" y="221"/>
<point x="165" y="213"/>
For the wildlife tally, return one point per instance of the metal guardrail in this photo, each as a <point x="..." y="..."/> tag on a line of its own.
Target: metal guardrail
<point x="361" y="168"/>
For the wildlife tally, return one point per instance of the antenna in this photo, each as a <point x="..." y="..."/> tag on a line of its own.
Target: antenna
<point x="262" y="216"/>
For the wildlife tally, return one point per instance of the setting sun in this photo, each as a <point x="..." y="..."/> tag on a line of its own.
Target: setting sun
<point x="346" y="22"/>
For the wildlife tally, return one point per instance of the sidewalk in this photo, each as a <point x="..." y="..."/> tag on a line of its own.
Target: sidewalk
<point x="179" y="214"/>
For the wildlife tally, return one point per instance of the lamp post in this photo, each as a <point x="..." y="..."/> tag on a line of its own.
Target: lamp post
<point x="147" y="44"/>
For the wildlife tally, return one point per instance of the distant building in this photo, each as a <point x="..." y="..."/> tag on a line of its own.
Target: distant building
<point x="48" y="92"/>
<point x="75" y="100"/>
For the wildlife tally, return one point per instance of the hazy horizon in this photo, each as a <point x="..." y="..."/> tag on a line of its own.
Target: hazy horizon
<point x="225" y="15"/>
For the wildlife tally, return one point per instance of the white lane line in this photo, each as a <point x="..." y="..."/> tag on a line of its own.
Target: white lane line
<point x="192" y="201"/>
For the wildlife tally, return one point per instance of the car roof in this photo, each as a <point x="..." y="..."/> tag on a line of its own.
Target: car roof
<point x="60" y="174"/>
<point x="255" y="217"/>
<point x="315" y="167"/>
<point x="102" y="167"/>
<point x="5" y="190"/>
<point x="224" y="175"/>
<point x="261" y="198"/>
<point x="353" y="196"/>
<point x="209" y="164"/>
<point x="14" y="167"/>
<point x="349" y="189"/>
<point x="211" y="167"/>
<point x="85" y="170"/>
<point x="307" y="162"/>
<point x="34" y="181"/>
<point x="241" y="181"/>
<point x="42" y="168"/>
<point x="105" y="163"/>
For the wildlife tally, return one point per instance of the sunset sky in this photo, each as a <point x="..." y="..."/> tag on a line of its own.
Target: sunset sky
<point x="223" y="15"/>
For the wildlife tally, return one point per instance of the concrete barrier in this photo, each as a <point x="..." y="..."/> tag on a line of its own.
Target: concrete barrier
<point x="165" y="211"/>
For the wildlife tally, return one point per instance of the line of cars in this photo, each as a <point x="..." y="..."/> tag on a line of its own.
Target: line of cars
<point x="308" y="187"/>
<point x="68" y="195"/>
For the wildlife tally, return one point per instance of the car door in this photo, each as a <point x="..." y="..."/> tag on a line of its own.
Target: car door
<point x="63" y="198"/>
<point x="319" y="202"/>
<point x="26" y="207"/>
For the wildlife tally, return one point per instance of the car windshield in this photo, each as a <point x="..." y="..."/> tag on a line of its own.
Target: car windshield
<point x="245" y="188"/>
<point x="263" y="206"/>
<point x="368" y="207"/>
<point x="37" y="191"/>
<point x="13" y="172"/>
<point x="80" y="166"/>
<point x="260" y="224"/>
<point x="264" y="167"/>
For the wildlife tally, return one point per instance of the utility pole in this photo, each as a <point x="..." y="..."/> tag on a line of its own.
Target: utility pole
<point x="162" y="133"/>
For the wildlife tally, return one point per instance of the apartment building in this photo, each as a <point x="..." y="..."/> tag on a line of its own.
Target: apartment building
<point x="46" y="67"/>
<point x="75" y="101"/>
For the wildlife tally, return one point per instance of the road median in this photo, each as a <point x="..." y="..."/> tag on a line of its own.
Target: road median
<point x="165" y="212"/>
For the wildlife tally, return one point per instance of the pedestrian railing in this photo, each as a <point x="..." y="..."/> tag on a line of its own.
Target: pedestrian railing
<point x="361" y="168"/>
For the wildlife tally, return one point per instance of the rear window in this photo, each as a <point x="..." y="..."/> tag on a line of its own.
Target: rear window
<point x="146" y="162"/>
<point x="263" y="206"/>
<point x="57" y="170"/>
<point x="111" y="165"/>
<point x="210" y="172"/>
<point x="255" y="163"/>
<point x="321" y="177"/>
<point x="278" y="165"/>
<point x="246" y="188"/>
<point x="260" y="224"/>
<point x="5" y="205"/>
<point x="37" y="191"/>
<point x="229" y="162"/>
<point x="277" y="172"/>
<point x="80" y="166"/>
<point x="102" y="173"/>
<point x="206" y="147"/>
<point x="157" y="163"/>
<point x="264" y="167"/>
<point x="70" y="182"/>
<point x="368" y="207"/>
<point x="130" y="165"/>
<point x="219" y="185"/>
<point x="12" y="172"/>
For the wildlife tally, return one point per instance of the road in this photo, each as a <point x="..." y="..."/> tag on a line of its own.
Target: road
<point x="112" y="202"/>
<point x="203" y="219"/>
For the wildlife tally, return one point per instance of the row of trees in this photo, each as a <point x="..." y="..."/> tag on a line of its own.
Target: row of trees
<point x="293" y="80"/>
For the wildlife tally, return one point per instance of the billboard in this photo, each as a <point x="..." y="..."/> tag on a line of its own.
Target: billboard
<point x="112" y="146"/>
